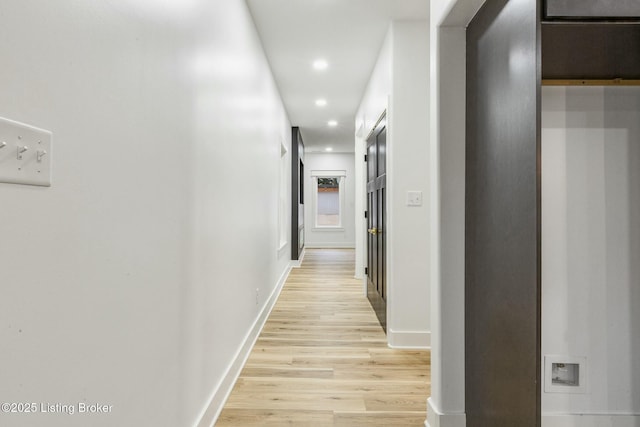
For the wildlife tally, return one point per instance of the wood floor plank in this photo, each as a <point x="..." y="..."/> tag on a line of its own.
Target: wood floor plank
<point x="329" y="386"/>
<point x="322" y="358"/>
<point x="379" y="419"/>
<point x="274" y="418"/>
<point x="287" y="400"/>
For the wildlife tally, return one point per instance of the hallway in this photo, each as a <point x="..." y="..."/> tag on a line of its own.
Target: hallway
<point x="322" y="358"/>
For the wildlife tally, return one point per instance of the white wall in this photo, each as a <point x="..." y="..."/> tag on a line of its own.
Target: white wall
<point x="375" y="100"/>
<point x="344" y="237"/>
<point x="399" y="83"/>
<point x="448" y="22"/>
<point x="591" y="246"/>
<point x="132" y="280"/>
<point x="373" y="104"/>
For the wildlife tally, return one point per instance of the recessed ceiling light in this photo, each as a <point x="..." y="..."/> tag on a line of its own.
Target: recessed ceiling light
<point x="321" y="102"/>
<point x="328" y="149"/>
<point x="320" y="64"/>
<point x="332" y="123"/>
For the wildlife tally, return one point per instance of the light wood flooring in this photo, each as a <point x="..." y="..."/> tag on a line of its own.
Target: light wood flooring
<point x="322" y="358"/>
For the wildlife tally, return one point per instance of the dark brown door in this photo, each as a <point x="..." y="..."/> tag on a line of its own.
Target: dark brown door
<point x="376" y="221"/>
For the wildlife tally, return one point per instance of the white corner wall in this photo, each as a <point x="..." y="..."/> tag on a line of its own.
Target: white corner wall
<point x="408" y="163"/>
<point x="591" y="250"/>
<point x="344" y="237"/>
<point x="374" y="103"/>
<point x="399" y="84"/>
<point x="132" y="281"/>
<point x="448" y="22"/>
<point x="375" y="100"/>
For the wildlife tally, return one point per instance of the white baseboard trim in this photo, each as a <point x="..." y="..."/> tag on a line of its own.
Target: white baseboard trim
<point x="435" y="418"/>
<point x="591" y="420"/>
<point x="409" y="339"/>
<point x="221" y="393"/>
<point x="330" y="245"/>
<point x="297" y="263"/>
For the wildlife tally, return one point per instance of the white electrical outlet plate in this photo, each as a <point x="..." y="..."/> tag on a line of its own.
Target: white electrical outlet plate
<point x="414" y="198"/>
<point x="25" y="154"/>
<point x="555" y="381"/>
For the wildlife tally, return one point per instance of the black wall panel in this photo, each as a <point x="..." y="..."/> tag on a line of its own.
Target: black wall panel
<point x="502" y="265"/>
<point x="297" y="193"/>
<point x="591" y="51"/>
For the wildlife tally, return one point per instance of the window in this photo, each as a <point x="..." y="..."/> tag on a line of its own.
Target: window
<point x="329" y="198"/>
<point x="328" y="213"/>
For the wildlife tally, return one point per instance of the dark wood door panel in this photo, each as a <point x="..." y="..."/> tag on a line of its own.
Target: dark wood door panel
<point x="376" y="230"/>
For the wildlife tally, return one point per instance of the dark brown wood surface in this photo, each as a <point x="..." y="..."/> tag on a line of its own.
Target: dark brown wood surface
<point x="592" y="9"/>
<point x="376" y="221"/>
<point x="502" y="236"/>
<point x="297" y="191"/>
<point x="591" y="51"/>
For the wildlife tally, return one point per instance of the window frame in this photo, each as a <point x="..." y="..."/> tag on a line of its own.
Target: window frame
<point x="341" y="175"/>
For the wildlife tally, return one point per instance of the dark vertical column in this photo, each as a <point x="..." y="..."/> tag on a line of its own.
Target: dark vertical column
<point x="297" y="193"/>
<point x="377" y="237"/>
<point x="502" y="247"/>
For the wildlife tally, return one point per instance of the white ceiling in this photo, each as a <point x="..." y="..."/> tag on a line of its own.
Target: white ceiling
<point x="348" y="34"/>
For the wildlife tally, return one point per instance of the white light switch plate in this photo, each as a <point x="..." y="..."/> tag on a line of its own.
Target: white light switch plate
<point x="414" y="198"/>
<point x="25" y="154"/>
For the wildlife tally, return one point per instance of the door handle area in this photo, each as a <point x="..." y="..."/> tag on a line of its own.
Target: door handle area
<point x="373" y="231"/>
